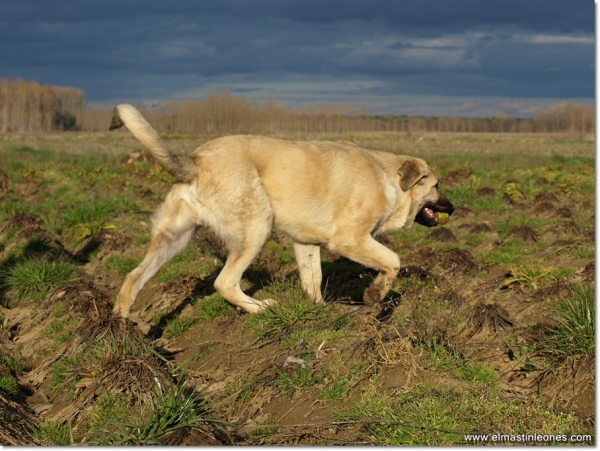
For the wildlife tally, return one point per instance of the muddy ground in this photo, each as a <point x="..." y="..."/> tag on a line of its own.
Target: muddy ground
<point x="446" y="293"/>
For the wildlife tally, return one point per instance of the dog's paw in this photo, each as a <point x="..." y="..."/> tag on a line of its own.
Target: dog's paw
<point x="142" y="325"/>
<point x="256" y="306"/>
<point x="268" y="303"/>
<point x="371" y="296"/>
<point x="118" y="311"/>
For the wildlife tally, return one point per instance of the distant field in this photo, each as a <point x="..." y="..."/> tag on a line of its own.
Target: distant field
<point x="490" y="330"/>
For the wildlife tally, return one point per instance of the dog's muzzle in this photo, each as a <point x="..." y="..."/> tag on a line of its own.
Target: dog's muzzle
<point x="427" y="215"/>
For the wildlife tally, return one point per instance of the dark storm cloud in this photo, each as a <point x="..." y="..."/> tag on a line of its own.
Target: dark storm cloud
<point x="304" y="51"/>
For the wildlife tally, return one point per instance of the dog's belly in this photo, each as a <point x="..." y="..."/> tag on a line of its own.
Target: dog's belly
<point x="303" y="223"/>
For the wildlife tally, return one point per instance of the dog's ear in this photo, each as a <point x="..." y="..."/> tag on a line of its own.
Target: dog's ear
<point x="410" y="173"/>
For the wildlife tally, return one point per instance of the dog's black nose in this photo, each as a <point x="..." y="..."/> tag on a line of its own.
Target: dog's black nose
<point x="445" y="205"/>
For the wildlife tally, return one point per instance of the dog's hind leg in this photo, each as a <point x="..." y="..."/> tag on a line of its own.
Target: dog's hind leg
<point x="239" y="258"/>
<point x="308" y="257"/>
<point x="169" y="239"/>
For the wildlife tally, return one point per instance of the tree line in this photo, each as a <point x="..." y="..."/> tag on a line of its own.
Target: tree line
<point x="30" y="107"/>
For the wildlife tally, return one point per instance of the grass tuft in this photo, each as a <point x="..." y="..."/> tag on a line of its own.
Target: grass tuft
<point x="52" y="434"/>
<point x="35" y="278"/>
<point x="292" y="308"/>
<point x="213" y="306"/>
<point x="176" y="408"/>
<point x="8" y="384"/>
<point x="575" y="334"/>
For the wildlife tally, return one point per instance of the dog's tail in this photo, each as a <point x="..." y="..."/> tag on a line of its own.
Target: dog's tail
<point x="182" y="168"/>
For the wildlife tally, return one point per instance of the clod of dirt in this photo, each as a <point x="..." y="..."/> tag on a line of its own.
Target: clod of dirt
<point x="39" y="241"/>
<point x="543" y="181"/>
<point x="28" y="188"/>
<point x="14" y="420"/>
<point x="564" y="212"/>
<point x="21" y="220"/>
<point x="591" y="234"/>
<point x="137" y="379"/>
<point x="545" y="208"/>
<point x="545" y="197"/>
<point x="458" y="260"/>
<point x="455" y="177"/>
<point x="443" y="234"/>
<point x="85" y="297"/>
<point x="414" y="271"/>
<point x="194" y="437"/>
<point x="589" y="272"/>
<point x="489" y="316"/>
<point x="486" y="191"/>
<point x="551" y="292"/>
<point x="525" y="233"/>
<point x="115" y="241"/>
<point x="425" y="256"/>
<point x="579" y="375"/>
<point x="480" y="228"/>
<point x="144" y="193"/>
<point x="569" y="228"/>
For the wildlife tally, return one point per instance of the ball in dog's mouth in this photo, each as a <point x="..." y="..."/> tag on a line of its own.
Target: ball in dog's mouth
<point x="442" y="218"/>
<point x="434" y="217"/>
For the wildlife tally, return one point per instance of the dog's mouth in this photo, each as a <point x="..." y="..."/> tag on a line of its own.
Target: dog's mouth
<point x="433" y="215"/>
<point x="427" y="217"/>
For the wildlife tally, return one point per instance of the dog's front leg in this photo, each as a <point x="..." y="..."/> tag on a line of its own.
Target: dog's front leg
<point x="380" y="287"/>
<point x="308" y="257"/>
<point x="368" y="252"/>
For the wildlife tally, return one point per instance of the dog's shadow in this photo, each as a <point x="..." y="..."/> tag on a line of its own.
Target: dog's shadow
<point x="344" y="282"/>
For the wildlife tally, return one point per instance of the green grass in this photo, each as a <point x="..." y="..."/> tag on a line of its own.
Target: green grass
<point x="175" y="408"/>
<point x="431" y="416"/>
<point x="12" y="364"/>
<point x="109" y="408"/>
<point x="8" y="384"/>
<point x="213" y="306"/>
<point x="575" y="333"/>
<point x="121" y="265"/>
<point x="179" y="325"/>
<point x="60" y="331"/>
<point x="52" y="434"/>
<point x="291" y="308"/>
<point x="311" y="336"/>
<point x="93" y="214"/>
<point x="302" y="377"/>
<point x="64" y="373"/>
<point x="284" y="254"/>
<point x="513" y="251"/>
<point x="34" y="278"/>
<point x="180" y="264"/>
<point x="337" y="391"/>
<point x="84" y="217"/>
<point x="443" y="358"/>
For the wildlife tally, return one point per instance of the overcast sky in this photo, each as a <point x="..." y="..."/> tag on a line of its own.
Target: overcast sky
<point x="429" y="57"/>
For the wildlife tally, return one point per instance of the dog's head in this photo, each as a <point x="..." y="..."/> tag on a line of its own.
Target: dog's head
<point x="421" y="183"/>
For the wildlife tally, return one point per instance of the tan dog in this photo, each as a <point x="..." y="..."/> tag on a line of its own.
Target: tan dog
<point x="335" y="194"/>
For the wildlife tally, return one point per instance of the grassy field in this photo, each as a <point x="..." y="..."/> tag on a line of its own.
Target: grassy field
<point x="489" y="327"/>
